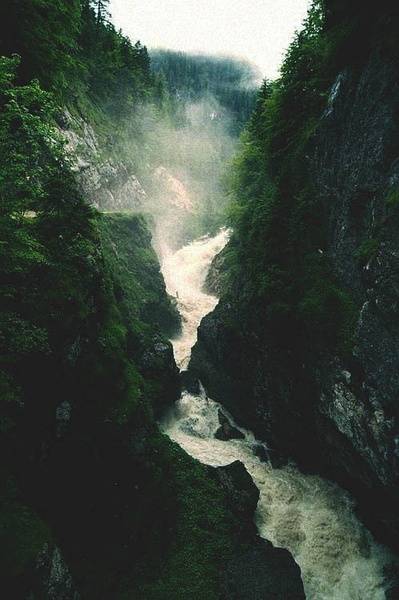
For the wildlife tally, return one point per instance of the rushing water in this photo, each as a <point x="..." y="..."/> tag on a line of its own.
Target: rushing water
<point x="309" y="516"/>
<point x="184" y="272"/>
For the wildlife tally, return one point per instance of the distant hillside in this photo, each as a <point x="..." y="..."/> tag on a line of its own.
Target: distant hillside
<point x="232" y="82"/>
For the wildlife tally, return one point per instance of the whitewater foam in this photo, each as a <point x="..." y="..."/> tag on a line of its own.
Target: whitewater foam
<point x="309" y="516"/>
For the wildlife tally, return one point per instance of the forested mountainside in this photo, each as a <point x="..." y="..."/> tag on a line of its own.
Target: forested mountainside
<point x="230" y="82"/>
<point x="94" y="501"/>
<point x="74" y="51"/>
<point x="304" y="344"/>
<point x="119" y="115"/>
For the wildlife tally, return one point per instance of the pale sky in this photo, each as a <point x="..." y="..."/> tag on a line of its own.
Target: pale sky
<point x="258" y="30"/>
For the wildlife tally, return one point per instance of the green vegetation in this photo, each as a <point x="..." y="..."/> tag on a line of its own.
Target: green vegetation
<point x="47" y="236"/>
<point x="91" y="69"/>
<point x="229" y="83"/>
<point x="82" y="308"/>
<point x="140" y="315"/>
<point x="23" y="536"/>
<point x="74" y="51"/>
<point x="100" y="76"/>
<point x="367" y="250"/>
<point x="204" y="537"/>
<point x="392" y="198"/>
<point x="84" y="315"/>
<point x="281" y="269"/>
<point x="133" y="263"/>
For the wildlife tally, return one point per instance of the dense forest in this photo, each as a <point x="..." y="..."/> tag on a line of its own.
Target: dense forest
<point x="191" y="77"/>
<point x="75" y="52"/>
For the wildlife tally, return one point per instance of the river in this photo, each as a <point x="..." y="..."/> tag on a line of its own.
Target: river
<point x="306" y="514"/>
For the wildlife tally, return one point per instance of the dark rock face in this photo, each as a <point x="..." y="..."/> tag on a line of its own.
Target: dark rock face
<point x="84" y="465"/>
<point x="158" y="363"/>
<point x="263" y="572"/>
<point x="336" y="414"/>
<point x="355" y="169"/>
<point x="393" y="592"/>
<point x="242" y="492"/>
<point x="258" y="570"/>
<point x="226" y="430"/>
<point x="214" y="279"/>
<point x="189" y="383"/>
<point x="108" y="184"/>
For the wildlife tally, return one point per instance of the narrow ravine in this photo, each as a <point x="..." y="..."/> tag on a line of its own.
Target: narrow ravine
<point x="309" y="516"/>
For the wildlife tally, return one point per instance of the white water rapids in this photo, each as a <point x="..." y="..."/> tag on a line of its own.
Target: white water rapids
<point x="309" y="516"/>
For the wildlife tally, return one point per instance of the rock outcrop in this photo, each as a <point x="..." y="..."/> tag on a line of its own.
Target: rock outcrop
<point x="227" y="431"/>
<point x="216" y="274"/>
<point x="257" y="570"/>
<point x="105" y="182"/>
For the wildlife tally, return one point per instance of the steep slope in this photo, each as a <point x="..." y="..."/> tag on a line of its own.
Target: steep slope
<point x="304" y="344"/>
<point x="94" y="501"/>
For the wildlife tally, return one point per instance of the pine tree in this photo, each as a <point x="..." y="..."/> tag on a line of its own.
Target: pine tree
<point x="101" y="7"/>
<point x="44" y="33"/>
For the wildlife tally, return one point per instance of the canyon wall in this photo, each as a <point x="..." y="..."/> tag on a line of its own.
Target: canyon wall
<point x="332" y="406"/>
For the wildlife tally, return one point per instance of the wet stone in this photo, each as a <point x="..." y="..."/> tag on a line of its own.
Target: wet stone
<point x="226" y="430"/>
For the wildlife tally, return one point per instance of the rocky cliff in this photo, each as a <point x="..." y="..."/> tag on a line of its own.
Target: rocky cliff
<point x="331" y="406"/>
<point x="105" y="181"/>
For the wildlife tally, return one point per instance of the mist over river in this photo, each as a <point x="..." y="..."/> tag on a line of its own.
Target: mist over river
<point x="311" y="517"/>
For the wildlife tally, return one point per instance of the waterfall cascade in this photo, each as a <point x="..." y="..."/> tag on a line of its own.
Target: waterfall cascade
<point x="309" y="516"/>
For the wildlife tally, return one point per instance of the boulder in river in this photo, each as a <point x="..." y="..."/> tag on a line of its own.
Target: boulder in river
<point x="257" y="570"/>
<point x="227" y="431"/>
<point x="242" y="492"/>
<point x="190" y="383"/>
<point x="269" y="455"/>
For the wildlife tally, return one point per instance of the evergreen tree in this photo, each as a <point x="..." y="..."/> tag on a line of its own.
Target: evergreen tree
<point x="231" y="82"/>
<point x="101" y="8"/>
<point x="44" y="33"/>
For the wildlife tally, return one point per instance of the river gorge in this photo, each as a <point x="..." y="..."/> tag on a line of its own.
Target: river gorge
<point x="311" y="517"/>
